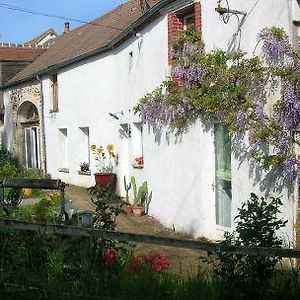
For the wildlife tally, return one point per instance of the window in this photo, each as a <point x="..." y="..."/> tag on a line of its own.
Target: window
<point x="181" y="20"/>
<point x="296" y="12"/>
<point x="84" y="145"/>
<point x="137" y="145"/>
<point x="63" y="149"/>
<point x="54" y="93"/>
<point x="130" y="60"/>
<point x="188" y="20"/>
<point x="223" y="175"/>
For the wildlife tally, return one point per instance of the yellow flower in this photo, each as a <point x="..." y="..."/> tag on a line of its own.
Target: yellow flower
<point x="110" y="148"/>
<point x="100" y="150"/>
<point x="93" y="147"/>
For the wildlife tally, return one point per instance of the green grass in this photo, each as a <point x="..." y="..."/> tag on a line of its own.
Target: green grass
<point x="38" y="266"/>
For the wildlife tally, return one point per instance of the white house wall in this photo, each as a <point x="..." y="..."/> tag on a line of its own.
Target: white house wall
<point x="180" y="172"/>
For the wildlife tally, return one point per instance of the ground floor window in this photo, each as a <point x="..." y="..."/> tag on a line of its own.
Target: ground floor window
<point x="63" y="145"/>
<point x="223" y="175"/>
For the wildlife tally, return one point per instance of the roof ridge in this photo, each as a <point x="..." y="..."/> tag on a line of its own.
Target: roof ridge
<point x="16" y="45"/>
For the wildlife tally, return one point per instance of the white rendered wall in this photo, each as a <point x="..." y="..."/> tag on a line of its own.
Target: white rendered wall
<point x="180" y="173"/>
<point x="216" y="34"/>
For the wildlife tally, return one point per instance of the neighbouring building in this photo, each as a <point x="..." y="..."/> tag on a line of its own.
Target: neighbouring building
<point x="26" y="104"/>
<point x="83" y="89"/>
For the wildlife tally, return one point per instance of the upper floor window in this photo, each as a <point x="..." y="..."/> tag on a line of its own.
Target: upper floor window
<point x="188" y="19"/>
<point x="181" y="20"/>
<point x="54" y="93"/>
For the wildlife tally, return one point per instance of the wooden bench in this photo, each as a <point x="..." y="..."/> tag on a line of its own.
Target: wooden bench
<point x="14" y="196"/>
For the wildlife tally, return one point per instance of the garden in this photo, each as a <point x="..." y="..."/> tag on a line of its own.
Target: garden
<point x="41" y="265"/>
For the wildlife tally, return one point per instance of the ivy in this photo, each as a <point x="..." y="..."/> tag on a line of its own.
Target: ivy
<point x="234" y="89"/>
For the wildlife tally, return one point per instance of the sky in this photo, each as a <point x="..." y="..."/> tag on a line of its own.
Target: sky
<point x="20" y="27"/>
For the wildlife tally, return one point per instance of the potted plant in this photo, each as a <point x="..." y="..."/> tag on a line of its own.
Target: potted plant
<point x="138" y="162"/>
<point x="84" y="168"/>
<point x="140" y="196"/>
<point x="105" y="160"/>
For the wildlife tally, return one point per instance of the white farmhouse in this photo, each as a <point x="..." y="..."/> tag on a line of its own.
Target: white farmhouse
<point x="81" y="91"/>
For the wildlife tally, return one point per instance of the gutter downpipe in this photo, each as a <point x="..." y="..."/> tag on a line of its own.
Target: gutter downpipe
<point x="43" y="131"/>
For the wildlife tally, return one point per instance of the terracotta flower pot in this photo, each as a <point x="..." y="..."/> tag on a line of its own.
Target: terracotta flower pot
<point x="128" y="209"/>
<point x="137" y="210"/>
<point x="106" y="180"/>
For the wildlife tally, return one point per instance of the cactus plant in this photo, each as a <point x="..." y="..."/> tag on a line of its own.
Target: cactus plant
<point x="127" y="188"/>
<point x="142" y="193"/>
<point x="139" y="194"/>
<point x="133" y="184"/>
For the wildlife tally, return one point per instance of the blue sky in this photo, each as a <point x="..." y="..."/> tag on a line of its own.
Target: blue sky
<point x="19" y="27"/>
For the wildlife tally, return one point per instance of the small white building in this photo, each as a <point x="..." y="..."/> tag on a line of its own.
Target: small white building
<point x="88" y="81"/>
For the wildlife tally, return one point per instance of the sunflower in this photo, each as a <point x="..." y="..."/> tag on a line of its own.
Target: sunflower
<point x="100" y="150"/>
<point x="110" y="148"/>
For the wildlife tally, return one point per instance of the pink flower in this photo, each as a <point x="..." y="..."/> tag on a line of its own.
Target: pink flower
<point x="110" y="258"/>
<point x="155" y="262"/>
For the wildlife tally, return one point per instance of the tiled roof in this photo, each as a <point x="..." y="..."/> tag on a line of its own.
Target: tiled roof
<point x="84" y="40"/>
<point x="9" y="52"/>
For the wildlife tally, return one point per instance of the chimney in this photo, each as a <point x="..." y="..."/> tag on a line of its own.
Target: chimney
<point x="145" y="5"/>
<point x="67" y="27"/>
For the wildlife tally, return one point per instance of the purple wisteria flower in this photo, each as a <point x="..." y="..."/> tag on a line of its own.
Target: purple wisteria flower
<point x="289" y="115"/>
<point x="191" y="49"/>
<point x="276" y="50"/>
<point x="284" y="140"/>
<point x="289" y="168"/>
<point x="240" y="119"/>
<point x="260" y="112"/>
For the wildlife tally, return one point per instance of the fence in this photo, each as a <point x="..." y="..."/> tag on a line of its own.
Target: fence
<point x="148" y="239"/>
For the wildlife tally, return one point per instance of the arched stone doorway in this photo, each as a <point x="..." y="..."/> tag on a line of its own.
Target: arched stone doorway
<point x="28" y="135"/>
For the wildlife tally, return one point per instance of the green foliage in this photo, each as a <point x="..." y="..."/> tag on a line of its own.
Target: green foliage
<point x="233" y="89"/>
<point x="9" y="165"/>
<point x="133" y="184"/>
<point x="257" y="226"/>
<point x="140" y="194"/>
<point x="38" y="266"/>
<point x="45" y="211"/>
<point x="107" y="210"/>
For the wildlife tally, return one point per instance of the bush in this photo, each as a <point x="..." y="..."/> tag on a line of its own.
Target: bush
<point x="9" y="164"/>
<point x="257" y="224"/>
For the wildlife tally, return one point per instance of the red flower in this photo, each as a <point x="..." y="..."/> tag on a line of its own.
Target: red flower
<point x="110" y="257"/>
<point x="156" y="262"/>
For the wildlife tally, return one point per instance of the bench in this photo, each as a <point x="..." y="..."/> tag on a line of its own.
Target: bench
<point x="14" y="197"/>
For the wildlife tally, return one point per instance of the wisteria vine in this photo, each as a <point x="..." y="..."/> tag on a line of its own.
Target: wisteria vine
<point x="235" y="89"/>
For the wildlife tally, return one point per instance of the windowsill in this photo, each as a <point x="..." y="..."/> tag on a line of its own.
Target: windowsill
<point x="64" y="170"/>
<point x="138" y="167"/>
<point x="223" y="228"/>
<point x="85" y="173"/>
<point x="53" y="111"/>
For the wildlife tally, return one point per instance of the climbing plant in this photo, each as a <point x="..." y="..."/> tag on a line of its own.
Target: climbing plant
<point x="256" y="97"/>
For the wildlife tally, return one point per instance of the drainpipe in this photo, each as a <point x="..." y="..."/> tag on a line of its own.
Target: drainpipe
<point x="43" y="131"/>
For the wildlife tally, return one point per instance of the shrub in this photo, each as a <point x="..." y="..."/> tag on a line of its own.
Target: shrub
<point x="9" y="164"/>
<point x="257" y="224"/>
